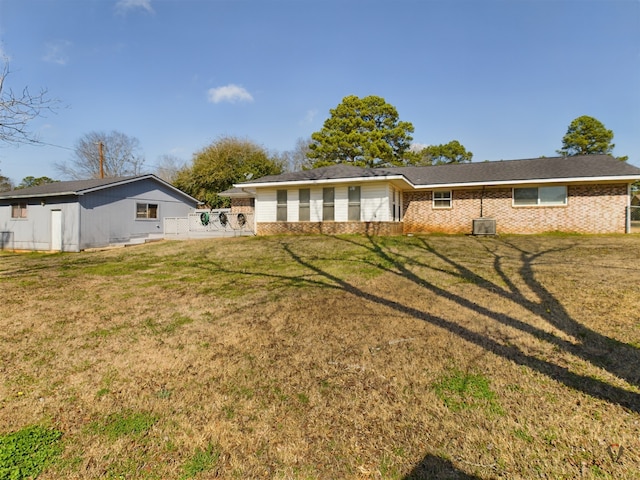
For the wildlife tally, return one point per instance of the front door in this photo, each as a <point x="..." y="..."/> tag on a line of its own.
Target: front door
<point x="56" y="230"/>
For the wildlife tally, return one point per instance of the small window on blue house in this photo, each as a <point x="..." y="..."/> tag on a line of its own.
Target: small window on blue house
<point x="146" y="210"/>
<point x="18" y="210"/>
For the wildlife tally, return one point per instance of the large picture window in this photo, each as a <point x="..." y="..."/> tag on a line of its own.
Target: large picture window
<point x="304" y="197"/>
<point x="540" y="196"/>
<point x="328" y="204"/>
<point x="281" y="213"/>
<point x="146" y="210"/>
<point x="442" y="199"/>
<point x="18" y="210"/>
<point x="354" y="204"/>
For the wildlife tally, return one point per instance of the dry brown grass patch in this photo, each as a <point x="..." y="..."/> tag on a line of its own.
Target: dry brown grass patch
<point x="329" y="357"/>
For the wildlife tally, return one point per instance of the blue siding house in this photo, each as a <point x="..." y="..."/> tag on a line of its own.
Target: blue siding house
<point x="76" y="215"/>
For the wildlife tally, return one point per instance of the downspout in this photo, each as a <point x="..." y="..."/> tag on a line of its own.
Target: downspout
<point x="79" y="215"/>
<point x="627" y="223"/>
<point x="482" y="201"/>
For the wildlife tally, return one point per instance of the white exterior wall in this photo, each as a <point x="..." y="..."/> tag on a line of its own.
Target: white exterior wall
<point x="376" y="203"/>
<point x="315" y="205"/>
<point x="293" y="205"/>
<point x="266" y="203"/>
<point x="341" y="202"/>
<point x="266" y="209"/>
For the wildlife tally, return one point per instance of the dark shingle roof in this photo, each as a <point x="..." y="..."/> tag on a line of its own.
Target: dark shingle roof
<point x="79" y="187"/>
<point x="578" y="167"/>
<point x="584" y="166"/>
<point x="72" y="187"/>
<point x="334" y="172"/>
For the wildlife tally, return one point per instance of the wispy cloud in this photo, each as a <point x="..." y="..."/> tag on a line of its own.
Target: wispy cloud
<point x="125" y="6"/>
<point x="56" y="52"/>
<point x="309" y="117"/>
<point x="229" y="93"/>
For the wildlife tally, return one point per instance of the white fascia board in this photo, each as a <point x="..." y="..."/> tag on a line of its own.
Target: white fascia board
<point x="532" y="181"/>
<point x="324" y="181"/>
<point x="42" y="195"/>
<point x="403" y="179"/>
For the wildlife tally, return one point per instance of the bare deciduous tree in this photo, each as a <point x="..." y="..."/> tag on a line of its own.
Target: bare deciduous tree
<point x="17" y="110"/>
<point x="168" y="167"/>
<point x="297" y="159"/>
<point x="120" y="152"/>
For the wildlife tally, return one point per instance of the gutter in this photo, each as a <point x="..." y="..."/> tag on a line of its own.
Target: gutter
<point x="432" y="186"/>
<point x="532" y="181"/>
<point x="324" y="181"/>
<point x="41" y="195"/>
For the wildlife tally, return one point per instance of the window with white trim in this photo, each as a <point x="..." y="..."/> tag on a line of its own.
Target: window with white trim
<point x="19" y="210"/>
<point x="304" y="209"/>
<point x="442" y="199"/>
<point x="540" y="196"/>
<point x="354" y="204"/>
<point x="281" y="208"/>
<point x="146" y="211"/>
<point x="328" y="204"/>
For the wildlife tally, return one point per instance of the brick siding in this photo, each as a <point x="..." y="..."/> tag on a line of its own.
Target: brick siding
<point x="329" y="228"/>
<point x="242" y="205"/>
<point x="589" y="209"/>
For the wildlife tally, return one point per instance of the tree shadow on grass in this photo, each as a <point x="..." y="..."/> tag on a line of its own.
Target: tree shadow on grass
<point x="616" y="357"/>
<point x="396" y="265"/>
<point x="433" y="467"/>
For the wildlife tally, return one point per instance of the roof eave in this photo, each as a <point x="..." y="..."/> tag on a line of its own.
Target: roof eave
<point x="324" y="181"/>
<point x="85" y="191"/>
<point x="619" y="178"/>
<point x="135" y="179"/>
<point x="41" y="195"/>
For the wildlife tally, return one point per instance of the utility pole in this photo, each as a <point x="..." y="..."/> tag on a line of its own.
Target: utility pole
<point x="100" y="145"/>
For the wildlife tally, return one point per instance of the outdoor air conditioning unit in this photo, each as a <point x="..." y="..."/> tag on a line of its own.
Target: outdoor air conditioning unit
<point x="484" y="226"/>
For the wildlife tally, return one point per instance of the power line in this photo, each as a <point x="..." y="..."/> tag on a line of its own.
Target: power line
<point x="38" y="142"/>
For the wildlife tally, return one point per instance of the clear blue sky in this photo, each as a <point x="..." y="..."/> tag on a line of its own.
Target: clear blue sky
<point x="504" y="77"/>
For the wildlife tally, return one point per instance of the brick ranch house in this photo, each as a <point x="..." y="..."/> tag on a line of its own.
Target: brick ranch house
<point x="583" y="194"/>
